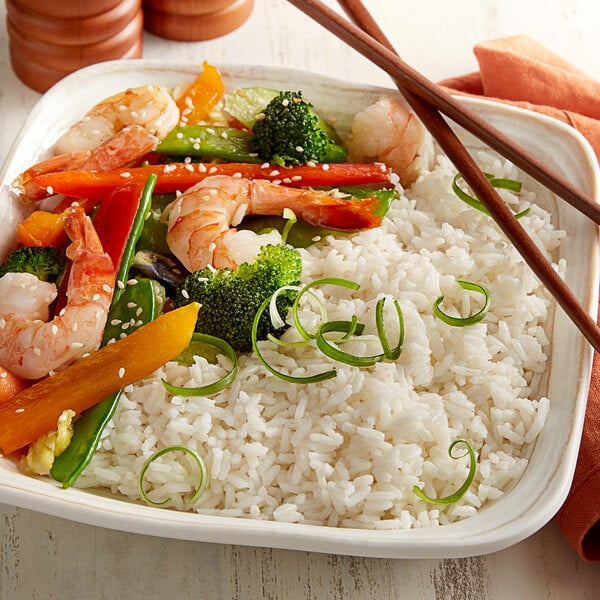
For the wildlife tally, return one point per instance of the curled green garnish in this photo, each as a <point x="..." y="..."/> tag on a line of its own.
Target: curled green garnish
<point x="289" y="378"/>
<point x="324" y="281"/>
<point x="464" y="321"/>
<point x="216" y="386"/>
<point x="290" y="218"/>
<point x="497" y="182"/>
<point x="461" y="491"/>
<point x="388" y="352"/>
<point x="199" y="488"/>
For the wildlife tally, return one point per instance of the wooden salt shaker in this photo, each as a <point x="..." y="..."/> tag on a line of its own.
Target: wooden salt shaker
<point x="49" y="39"/>
<point x="195" y="20"/>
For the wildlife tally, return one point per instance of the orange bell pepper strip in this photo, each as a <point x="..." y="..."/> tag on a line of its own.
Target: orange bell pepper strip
<point x="10" y="385"/>
<point x="42" y="228"/>
<point x="180" y="176"/>
<point x="34" y="411"/>
<point x="201" y="96"/>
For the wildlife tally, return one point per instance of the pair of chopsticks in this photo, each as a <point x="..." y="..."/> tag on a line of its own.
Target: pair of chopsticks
<point x="426" y="99"/>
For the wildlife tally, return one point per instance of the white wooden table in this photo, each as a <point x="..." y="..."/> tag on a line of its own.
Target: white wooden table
<point x="47" y="557"/>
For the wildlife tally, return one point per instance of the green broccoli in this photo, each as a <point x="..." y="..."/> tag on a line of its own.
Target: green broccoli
<point x="47" y="263"/>
<point x="289" y="132"/>
<point x="231" y="298"/>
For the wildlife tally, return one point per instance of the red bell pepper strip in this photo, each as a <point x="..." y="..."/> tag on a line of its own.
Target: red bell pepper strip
<point x="180" y="176"/>
<point x="113" y="223"/>
<point x="115" y="216"/>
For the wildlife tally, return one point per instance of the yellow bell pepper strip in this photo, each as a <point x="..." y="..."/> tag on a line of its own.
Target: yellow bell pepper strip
<point x="201" y="96"/>
<point x="138" y="304"/>
<point x="34" y="412"/>
<point x="175" y="177"/>
<point x="42" y="228"/>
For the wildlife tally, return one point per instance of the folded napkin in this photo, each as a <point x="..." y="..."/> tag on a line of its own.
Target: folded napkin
<point x="520" y="71"/>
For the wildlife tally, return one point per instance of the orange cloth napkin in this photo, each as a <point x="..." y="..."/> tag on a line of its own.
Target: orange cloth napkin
<point x="520" y="71"/>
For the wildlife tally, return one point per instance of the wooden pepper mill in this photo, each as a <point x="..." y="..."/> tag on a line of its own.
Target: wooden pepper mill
<point x="50" y="39"/>
<point x="195" y="20"/>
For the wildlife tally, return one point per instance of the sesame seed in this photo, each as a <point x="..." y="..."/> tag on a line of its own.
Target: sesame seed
<point x="54" y="329"/>
<point x="120" y="285"/>
<point x="107" y="288"/>
<point x="125" y="174"/>
<point x="237" y="175"/>
<point x="2" y="323"/>
<point x="50" y="190"/>
<point x="179" y="135"/>
<point x="75" y="345"/>
<point x="202" y="167"/>
<point x="139" y="323"/>
<point x="4" y="374"/>
<point x="131" y="305"/>
<point x="96" y="297"/>
<point x="265" y="165"/>
<point x="139" y="311"/>
<point x="125" y="326"/>
<point x="37" y="351"/>
<point x="121" y="373"/>
<point x="196" y="146"/>
<point x="116" y="322"/>
<point x="276" y="181"/>
<point x="296" y="177"/>
<point x="212" y="170"/>
<point x="19" y="410"/>
<point x="210" y="130"/>
<point x="299" y="149"/>
<point x="274" y="173"/>
<point x="132" y="282"/>
<point x="185" y="294"/>
<point x="189" y="167"/>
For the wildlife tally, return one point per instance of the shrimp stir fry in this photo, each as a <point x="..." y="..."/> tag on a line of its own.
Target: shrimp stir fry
<point x="30" y="345"/>
<point x="201" y="221"/>
<point x="114" y="133"/>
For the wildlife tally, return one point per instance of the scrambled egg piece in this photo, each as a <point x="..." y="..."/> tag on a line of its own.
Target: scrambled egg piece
<point x="42" y="452"/>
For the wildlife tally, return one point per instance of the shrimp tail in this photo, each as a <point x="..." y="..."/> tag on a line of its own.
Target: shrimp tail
<point x="344" y="215"/>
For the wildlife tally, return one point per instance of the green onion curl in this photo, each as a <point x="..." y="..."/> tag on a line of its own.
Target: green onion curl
<point x="199" y="488"/>
<point x="497" y="182"/>
<point x="388" y="352"/>
<point x="216" y="386"/>
<point x="324" y="281"/>
<point x="461" y="491"/>
<point x="289" y="378"/>
<point x="291" y="218"/>
<point x="464" y="321"/>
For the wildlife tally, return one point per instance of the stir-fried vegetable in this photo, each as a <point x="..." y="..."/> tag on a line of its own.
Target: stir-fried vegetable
<point x="35" y="411"/>
<point x="180" y="176"/>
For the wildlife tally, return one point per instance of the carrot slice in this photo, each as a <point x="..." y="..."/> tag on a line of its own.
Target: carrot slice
<point x="34" y="412"/>
<point x="10" y="385"/>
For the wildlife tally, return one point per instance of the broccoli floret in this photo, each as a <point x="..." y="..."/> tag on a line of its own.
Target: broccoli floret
<point x="47" y="263"/>
<point x="289" y="132"/>
<point x="230" y="298"/>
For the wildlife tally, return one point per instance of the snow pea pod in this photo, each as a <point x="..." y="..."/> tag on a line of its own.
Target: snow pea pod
<point x="143" y="298"/>
<point x="226" y="143"/>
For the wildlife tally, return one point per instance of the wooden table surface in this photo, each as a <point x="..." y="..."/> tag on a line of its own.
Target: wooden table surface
<point x="48" y="557"/>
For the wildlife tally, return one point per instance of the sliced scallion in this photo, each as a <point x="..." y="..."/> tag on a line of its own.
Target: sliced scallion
<point x="388" y="352"/>
<point x="461" y="491"/>
<point x="324" y="281"/>
<point x="216" y="386"/>
<point x="199" y="488"/>
<point x="497" y="182"/>
<point x="289" y="378"/>
<point x="290" y="216"/>
<point x="348" y="328"/>
<point x="464" y="321"/>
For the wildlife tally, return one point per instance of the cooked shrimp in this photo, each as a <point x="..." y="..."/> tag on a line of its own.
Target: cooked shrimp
<point x="388" y="132"/>
<point x="120" y="150"/>
<point x="30" y="345"/>
<point x="151" y="107"/>
<point x="200" y="220"/>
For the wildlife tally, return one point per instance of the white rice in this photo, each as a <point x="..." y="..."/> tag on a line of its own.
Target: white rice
<point x="348" y="451"/>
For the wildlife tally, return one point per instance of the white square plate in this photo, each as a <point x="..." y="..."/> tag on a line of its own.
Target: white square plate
<point x="524" y="509"/>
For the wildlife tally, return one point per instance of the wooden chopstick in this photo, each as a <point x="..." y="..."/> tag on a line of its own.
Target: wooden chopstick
<point x="434" y="95"/>
<point x="455" y="151"/>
